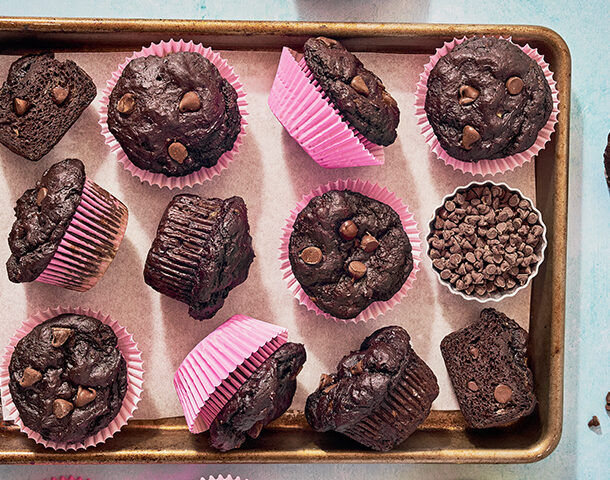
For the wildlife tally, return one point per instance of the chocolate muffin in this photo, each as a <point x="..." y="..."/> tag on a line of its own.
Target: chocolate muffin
<point x="43" y="215"/>
<point x="379" y="395"/>
<point x="265" y="396"/>
<point x="487" y="99"/>
<point x="348" y="251"/>
<point x="202" y="250"/>
<point x="39" y="101"/>
<point x="68" y="378"/>
<point x="356" y="92"/>
<point x="487" y="364"/>
<point x="175" y="114"/>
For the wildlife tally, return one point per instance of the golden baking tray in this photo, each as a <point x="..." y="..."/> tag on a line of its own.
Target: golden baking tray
<point x="443" y="437"/>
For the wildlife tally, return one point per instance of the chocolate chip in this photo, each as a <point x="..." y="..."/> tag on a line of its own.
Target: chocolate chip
<point x="503" y="393"/>
<point x="358" y="84"/>
<point x="61" y="407"/>
<point x="369" y="243"/>
<point x="446" y="274"/>
<point x="513" y="201"/>
<point x="450" y="206"/>
<point x="358" y="368"/>
<point x="514" y="85"/>
<point x="472" y="386"/>
<point x="59" y="95"/>
<point x="348" y="230"/>
<point x="84" y="396"/>
<point x="30" y="377"/>
<point x="389" y="99"/>
<point x="21" y="106"/>
<point x="256" y="430"/>
<point x="474" y="352"/>
<point x="468" y="94"/>
<point x="594" y="422"/>
<point x="126" y="104"/>
<point x="325" y="381"/>
<point x="190" y="102"/>
<point x="177" y="152"/>
<point x="356" y="269"/>
<point x="469" y="137"/>
<point x="311" y="255"/>
<point x="59" y="336"/>
<point x="41" y="195"/>
<point x="329" y="42"/>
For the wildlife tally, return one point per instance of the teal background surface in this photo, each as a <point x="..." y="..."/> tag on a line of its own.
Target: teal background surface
<point x="582" y="453"/>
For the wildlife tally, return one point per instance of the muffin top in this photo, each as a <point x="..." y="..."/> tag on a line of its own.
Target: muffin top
<point x="174" y="114"/>
<point x="356" y="92"/>
<point x="348" y="251"/>
<point x="68" y="378"/>
<point x="487" y="99"/>
<point x="43" y="215"/>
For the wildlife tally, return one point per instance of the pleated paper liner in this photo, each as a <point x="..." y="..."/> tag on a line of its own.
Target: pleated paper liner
<point x="376" y="192"/>
<point x="214" y="370"/>
<point x="311" y="119"/>
<point x="484" y="167"/>
<point x="67" y="478"/>
<point x="220" y="477"/>
<point x="90" y="243"/>
<point x="200" y="176"/>
<point x="135" y="372"/>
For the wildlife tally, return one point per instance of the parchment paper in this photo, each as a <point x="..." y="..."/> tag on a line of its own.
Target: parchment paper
<point x="271" y="172"/>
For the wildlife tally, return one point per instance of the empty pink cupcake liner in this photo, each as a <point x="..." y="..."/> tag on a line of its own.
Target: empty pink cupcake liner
<point x="311" y="119"/>
<point x="90" y="243"/>
<point x="214" y="370"/>
<point x="376" y="192"/>
<point x="484" y="167"/>
<point x="200" y="176"/>
<point x="135" y="372"/>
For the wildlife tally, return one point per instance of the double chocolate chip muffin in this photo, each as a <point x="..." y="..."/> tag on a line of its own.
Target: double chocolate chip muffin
<point x="40" y="100"/>
<point x="347" y="251"/>
<point x="487" y="364"/>
<point x="43" y="215"/>
<point x="487" y="99"/>
<point x="379" y="395"/>
<point x="202" y="250"/>
<point x="356" y="92"/>
<point x="174" y="114"/>
<point x="265" y="396"/>
<point x="68" y="378"/>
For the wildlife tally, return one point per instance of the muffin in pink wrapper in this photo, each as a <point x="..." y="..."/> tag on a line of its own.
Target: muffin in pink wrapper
<point x="504" y="110"/>
<point x="174" y="128"/>
<point x="225" y="366"/>
<point x="355" y="246"/>
<point x="314" y="121"/>
<point x="67" y="230"/>
<point x="101" y="373"/>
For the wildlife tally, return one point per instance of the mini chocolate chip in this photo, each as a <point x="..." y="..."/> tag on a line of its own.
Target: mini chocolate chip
<point x="61" y="407"/>
<point x="311" y="255"/>
<point x="389" y="99"/>
<point x="41" y="195"/>
<point x="356" y="269"/>
<point x="532" y="218"/>
<point x="190" y="102"/>
<point x="514" y="85"/>
<point x="30" y="377"/>
<point x="256" y="430"/>
<point x="59" y="336"/>
<point x="177" y="152"/>
<point x="594" y="422"/>
<point x="468" y="94"/>
<point x="358" y="368"/>
<point x="446" y="274"/>
<point x="126" y="104"/>
<point x="450" y="206"/>
<point x="472" y="386"/>
<point x="358" y="84"/>
<point x="369" y="243"/>
<point x="325" y="381"/>
<point x="348" y="230"/>
<point x="21" y="106"/>
<point x="474" y="352"/>
<point x="329" y="42"/>
<point x="84" y="396"/>
<point x="469" y="137"/>
<point x="513" y="201"/>
<point x="503" y="393"/>
<point x="59" y="95"/>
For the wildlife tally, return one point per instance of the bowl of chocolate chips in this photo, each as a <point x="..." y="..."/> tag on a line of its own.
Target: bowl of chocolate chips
<point x="486" y="241"/>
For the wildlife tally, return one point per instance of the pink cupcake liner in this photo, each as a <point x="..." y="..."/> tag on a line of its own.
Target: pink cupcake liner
<point x="215" y="369"/>
<point x="200" y="176"/>
<point x="311" y="119"/>
<point x="484" y="167"/>
<point x="90" y="243"/>
<point x="67" y="478"/>
<point x="135" y="372"/>
<point x="378" y="193"/>
<point x="220" y="477"/>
